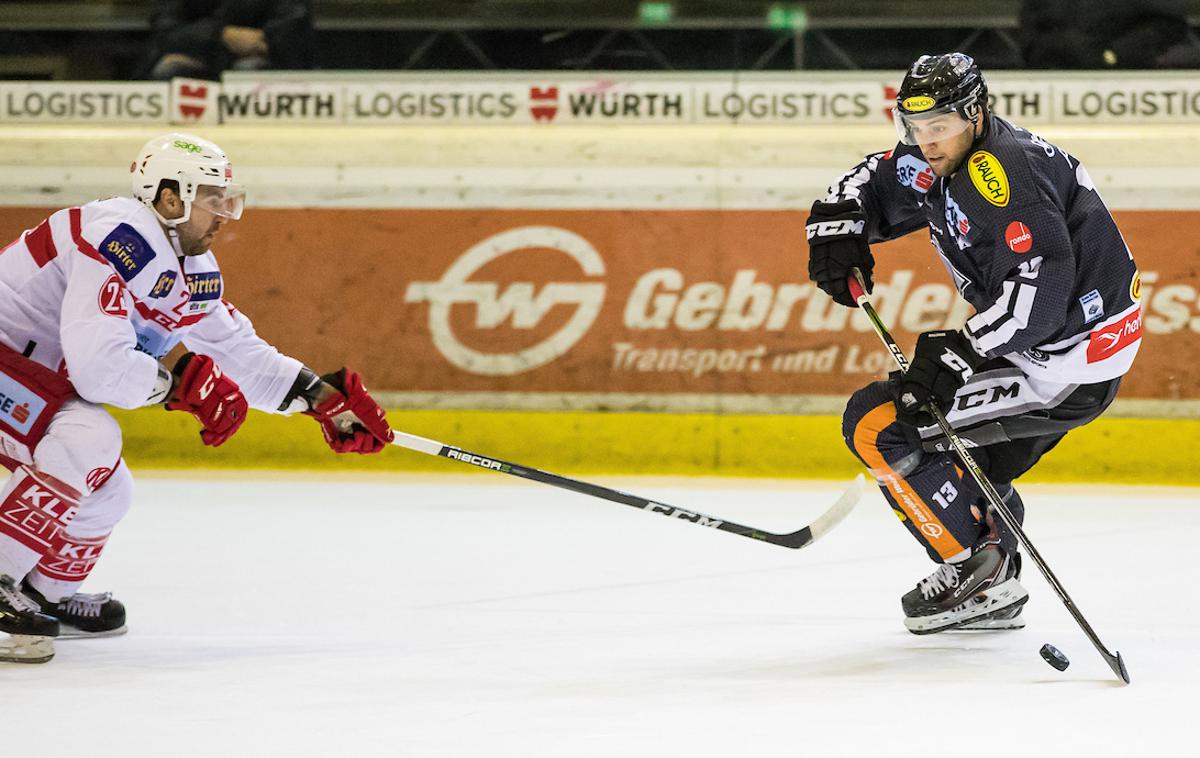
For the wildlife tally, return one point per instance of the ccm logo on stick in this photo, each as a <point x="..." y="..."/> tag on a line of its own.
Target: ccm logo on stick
<point x="686" y="515"/>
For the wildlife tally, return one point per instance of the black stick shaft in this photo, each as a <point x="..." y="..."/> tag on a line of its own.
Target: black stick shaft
<point x="797" y="539"/>
<point x="1113" y="659"/>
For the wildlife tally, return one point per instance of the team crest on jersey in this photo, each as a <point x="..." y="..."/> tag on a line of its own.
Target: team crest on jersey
<point x="126" y="251"/>
<point x="205" y="285"/>
<point x="164" y="285"/>
<point x="913" y="172"/>
<point x="1135" y="287"/>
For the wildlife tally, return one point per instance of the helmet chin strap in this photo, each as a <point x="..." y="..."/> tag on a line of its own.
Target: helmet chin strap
<point x="170" y="225"/>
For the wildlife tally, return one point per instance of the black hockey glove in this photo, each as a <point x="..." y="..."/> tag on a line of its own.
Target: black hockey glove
<point x="837" y="242"/>
<point x="941" y="364"/>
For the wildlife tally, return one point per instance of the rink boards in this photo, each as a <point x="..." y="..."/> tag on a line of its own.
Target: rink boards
<point x="499" y="284"/>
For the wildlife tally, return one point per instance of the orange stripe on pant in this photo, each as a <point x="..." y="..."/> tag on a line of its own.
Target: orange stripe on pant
<point x="866" y="433"/>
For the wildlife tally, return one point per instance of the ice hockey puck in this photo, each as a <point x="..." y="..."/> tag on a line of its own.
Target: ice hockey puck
<point x="1054" y="657"/>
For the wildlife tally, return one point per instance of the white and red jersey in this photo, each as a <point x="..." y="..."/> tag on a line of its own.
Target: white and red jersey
<point x="99" y="292"/>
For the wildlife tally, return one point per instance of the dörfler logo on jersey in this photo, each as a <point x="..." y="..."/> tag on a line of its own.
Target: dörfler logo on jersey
<point x="518" y="301"/>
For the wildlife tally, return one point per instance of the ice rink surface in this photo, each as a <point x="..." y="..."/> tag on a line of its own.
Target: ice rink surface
<point x="307" y="615"/>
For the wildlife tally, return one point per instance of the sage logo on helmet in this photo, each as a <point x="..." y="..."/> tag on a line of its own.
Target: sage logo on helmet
<point x="190" y="162"/>
<point x="941" y="96"/>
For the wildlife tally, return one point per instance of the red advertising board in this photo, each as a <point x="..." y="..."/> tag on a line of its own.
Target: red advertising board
<point x="633" y="301"/>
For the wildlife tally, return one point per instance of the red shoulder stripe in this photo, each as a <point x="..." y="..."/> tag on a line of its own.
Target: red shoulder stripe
<point x="41" y="244"/>
<point x="77" y="235"/>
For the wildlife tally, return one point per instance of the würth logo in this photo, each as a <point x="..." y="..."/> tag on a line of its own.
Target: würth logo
<point x="543" y="103"/>
<point x="193" y="101"/>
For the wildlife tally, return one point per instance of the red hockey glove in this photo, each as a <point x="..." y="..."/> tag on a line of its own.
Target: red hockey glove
<point x="213" y="398"/>
<point x="351" y="420"/>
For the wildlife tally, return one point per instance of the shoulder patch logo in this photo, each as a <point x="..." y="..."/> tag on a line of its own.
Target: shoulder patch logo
<point x="127" y="251"/>
<point x="1135" y="287"/>
<point x="1018" y="237"/>
<point x="918" y="103"/>
<point x="162" y="288"/>
<point x="1093" y="306"/>
<point x="205" y="285"/>
<point x="989" y="178"/>
<point x="913" y="172"/>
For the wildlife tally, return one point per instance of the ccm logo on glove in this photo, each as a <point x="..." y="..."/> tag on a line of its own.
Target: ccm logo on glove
<point x="214" y="399"/>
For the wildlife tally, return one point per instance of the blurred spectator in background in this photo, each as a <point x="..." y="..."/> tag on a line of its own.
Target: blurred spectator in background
<point x="1098" y="34"/>
<point x="202" y="38"/>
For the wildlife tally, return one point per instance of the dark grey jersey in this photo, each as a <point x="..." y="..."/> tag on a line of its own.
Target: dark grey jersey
<point x="1029" y="243"/>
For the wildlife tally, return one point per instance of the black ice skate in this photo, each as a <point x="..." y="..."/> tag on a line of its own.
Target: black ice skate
<point x="30" y="633"/>
<point x="977" y="590"/>
<point x="1007" y="619"/>
<point x="83" y="616"/>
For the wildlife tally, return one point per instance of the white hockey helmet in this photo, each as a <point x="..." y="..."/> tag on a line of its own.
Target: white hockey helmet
<point x="191" y="162"/>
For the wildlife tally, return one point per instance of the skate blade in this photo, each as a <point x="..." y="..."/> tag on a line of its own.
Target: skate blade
<point x="982" y="605"/>
<point x="24" y="648"/>
<point x="68" y="632"/>
<point x="990" y="625"/>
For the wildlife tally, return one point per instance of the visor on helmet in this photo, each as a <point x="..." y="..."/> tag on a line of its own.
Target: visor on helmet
<point x="226" y="202"/>
<point x="929" y="126"/>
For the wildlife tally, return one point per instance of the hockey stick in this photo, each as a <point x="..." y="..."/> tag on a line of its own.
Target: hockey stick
<point x="1113" y="659"/>
<point x="797" y="539"/>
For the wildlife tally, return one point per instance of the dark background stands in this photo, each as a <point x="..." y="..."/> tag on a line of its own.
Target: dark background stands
<point x="205" y="37"/>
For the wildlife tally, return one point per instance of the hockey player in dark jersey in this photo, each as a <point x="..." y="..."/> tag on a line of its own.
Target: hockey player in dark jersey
<point x="1020" y="228"/>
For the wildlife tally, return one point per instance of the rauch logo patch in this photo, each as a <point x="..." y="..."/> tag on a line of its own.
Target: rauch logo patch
<point x="989" y="178"/>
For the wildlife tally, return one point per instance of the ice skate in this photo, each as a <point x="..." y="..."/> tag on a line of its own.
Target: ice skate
<point x="30" y="634"/>
<point x="981" y="589"/>
<point x="83" y="616"/>
<point x="1006" y="620"/>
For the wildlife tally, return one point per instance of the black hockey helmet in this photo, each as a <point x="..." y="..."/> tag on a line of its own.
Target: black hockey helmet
<point x="938" y="85"/>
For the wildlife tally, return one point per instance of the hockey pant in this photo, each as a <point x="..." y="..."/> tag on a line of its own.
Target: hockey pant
<point x="67" y="491"/>
<point x="1008" y="421"/>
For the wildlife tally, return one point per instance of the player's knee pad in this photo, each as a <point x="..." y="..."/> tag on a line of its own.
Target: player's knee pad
<point x="104" y="508"/>
<point x="869" y="423"/>
<point x="82" y="446"/>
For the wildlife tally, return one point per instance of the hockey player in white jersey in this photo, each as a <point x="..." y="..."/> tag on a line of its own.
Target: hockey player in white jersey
<point x="91" y="300"/>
